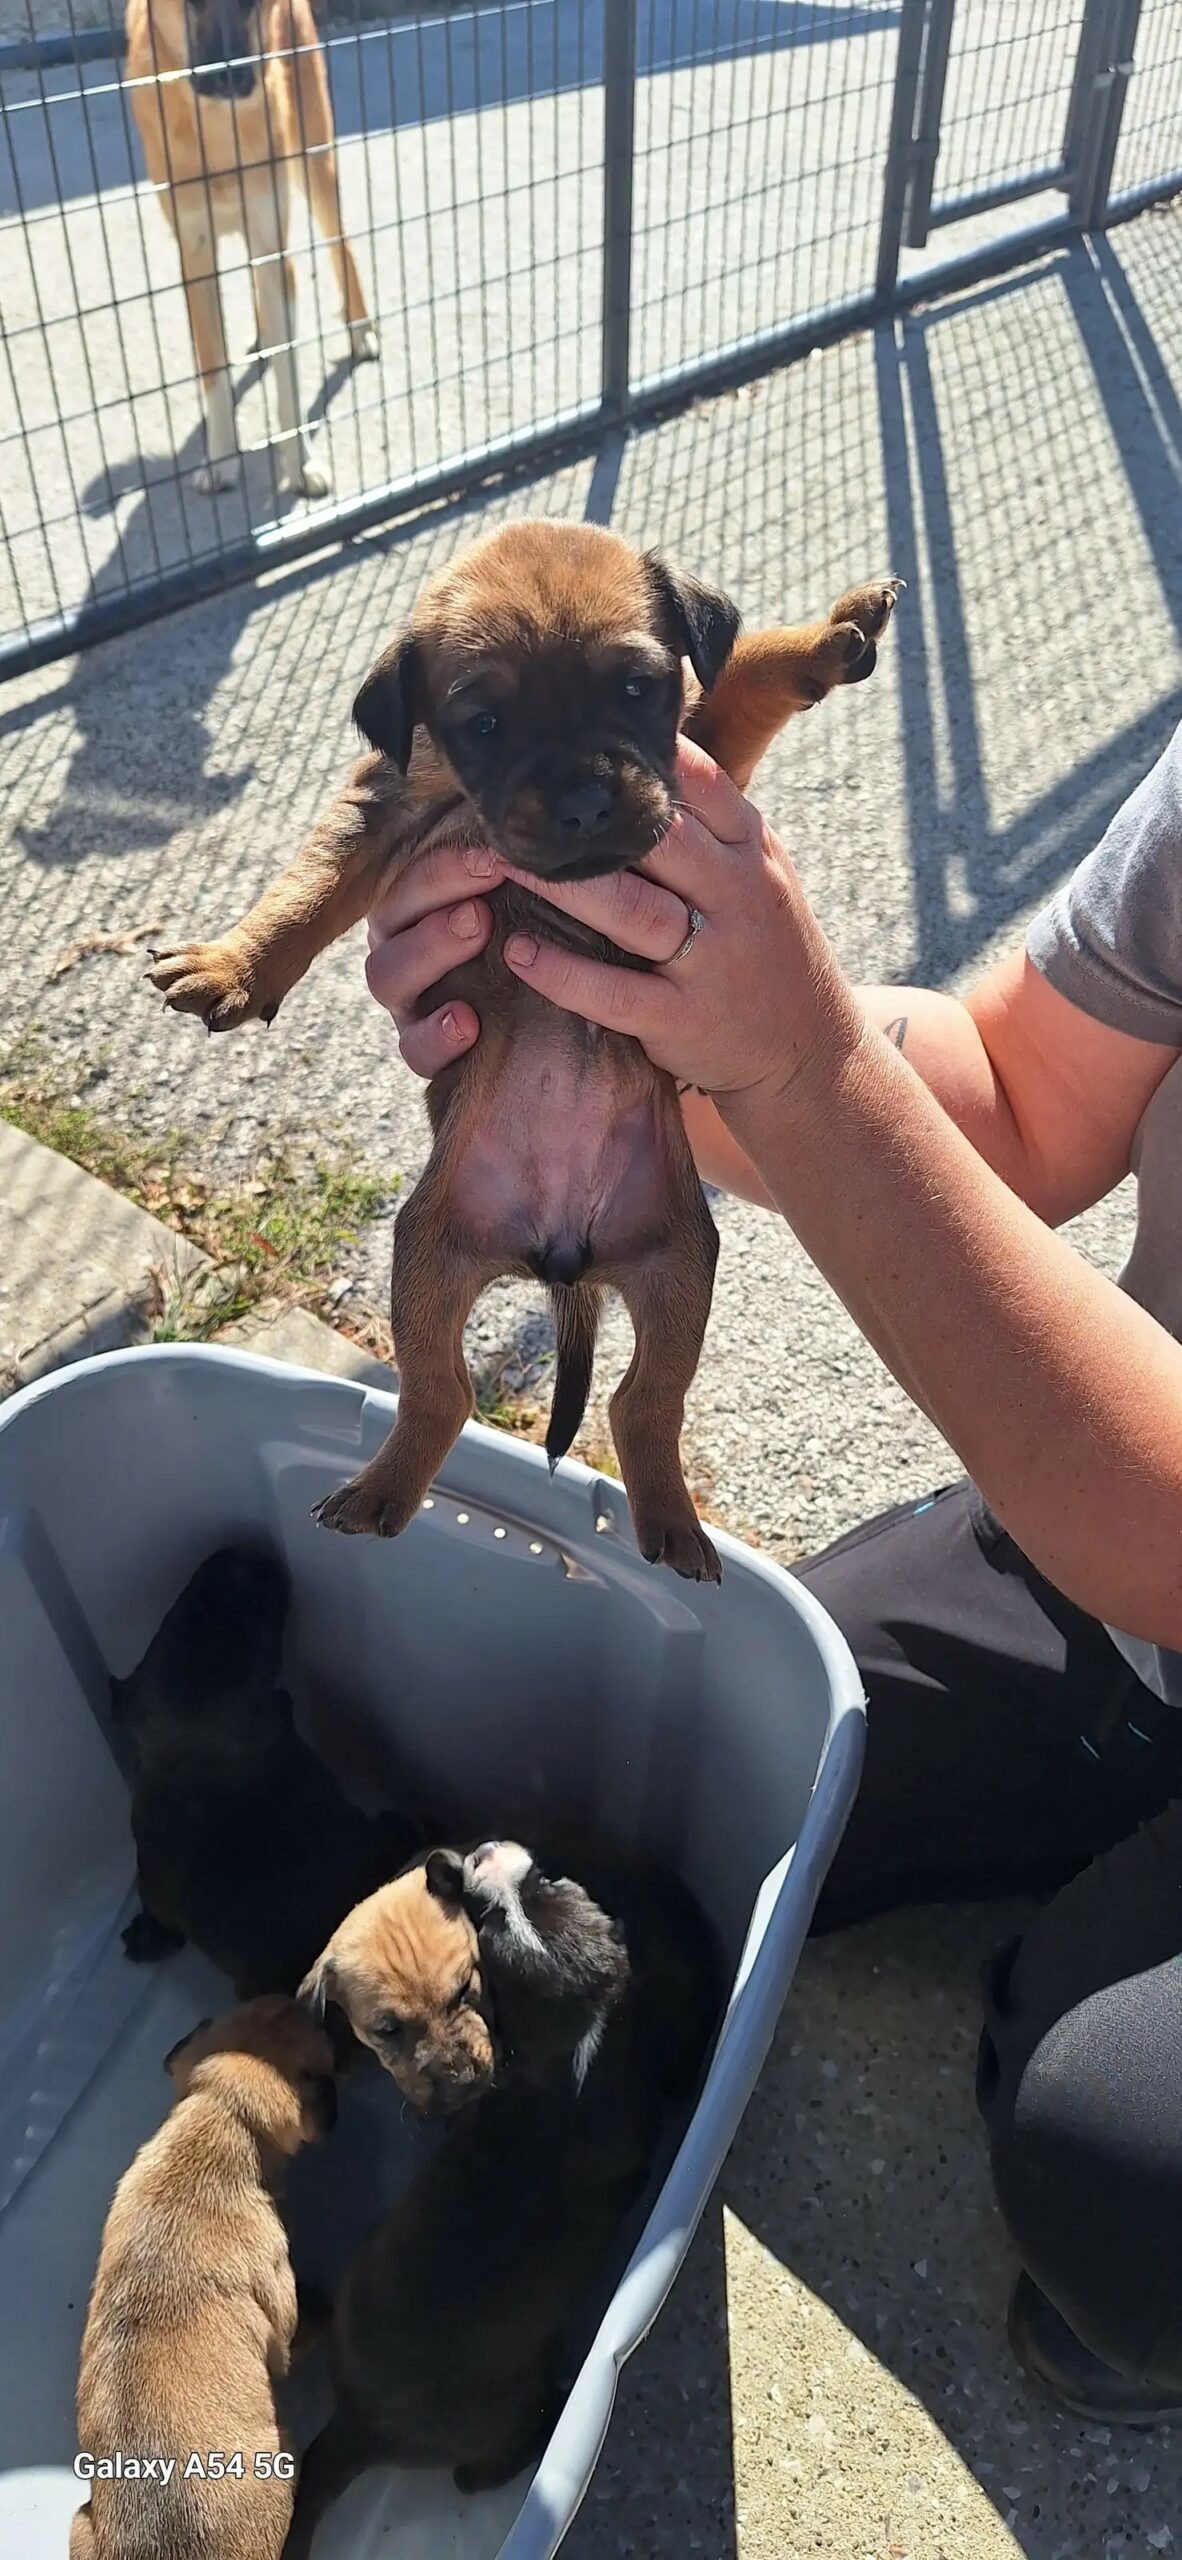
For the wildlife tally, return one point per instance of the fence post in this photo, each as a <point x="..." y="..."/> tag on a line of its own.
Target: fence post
<point x="1097" y="106"/>
<point x="900" y="147"/>
<point x="619" y="131"/>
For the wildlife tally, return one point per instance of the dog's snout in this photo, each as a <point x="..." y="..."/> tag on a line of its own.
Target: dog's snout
<point x="585" y="808"/>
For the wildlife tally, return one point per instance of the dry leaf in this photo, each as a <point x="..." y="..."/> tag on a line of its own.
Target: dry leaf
<point x="86" y="947"/>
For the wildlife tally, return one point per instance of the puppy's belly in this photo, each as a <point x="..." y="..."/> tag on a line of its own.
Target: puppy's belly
<point x="566" y="1150"/>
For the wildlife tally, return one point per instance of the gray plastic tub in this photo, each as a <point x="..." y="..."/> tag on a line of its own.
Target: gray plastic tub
<point x="519" y="1655"/>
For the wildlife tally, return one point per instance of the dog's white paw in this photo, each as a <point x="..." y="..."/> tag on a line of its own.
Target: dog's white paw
<point x="214" y="475"/>
<point x="363" y="340"/>
<point x="307" y="480"/>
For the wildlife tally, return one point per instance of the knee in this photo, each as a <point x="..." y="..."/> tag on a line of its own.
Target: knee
<point x="1088" y="2175"/>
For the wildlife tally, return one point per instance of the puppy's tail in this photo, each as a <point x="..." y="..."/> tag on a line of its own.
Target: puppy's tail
<point x="576" y="1322"/>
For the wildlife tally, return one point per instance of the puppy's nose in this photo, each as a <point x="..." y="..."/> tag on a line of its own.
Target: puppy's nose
<point x="585" y="808"/>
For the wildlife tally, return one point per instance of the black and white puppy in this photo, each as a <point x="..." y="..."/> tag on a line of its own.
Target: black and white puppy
<point x="452" y="2334"/>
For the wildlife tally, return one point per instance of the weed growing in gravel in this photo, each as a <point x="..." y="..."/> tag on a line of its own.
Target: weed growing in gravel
<point x="279" y="1235"/>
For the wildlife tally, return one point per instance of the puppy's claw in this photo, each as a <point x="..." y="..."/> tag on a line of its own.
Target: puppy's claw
<point x="687" y="1550"/>
<point x="212" y="980"/>
<point x="360" y="1512"/>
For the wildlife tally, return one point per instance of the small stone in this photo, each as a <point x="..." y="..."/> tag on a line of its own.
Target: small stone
<point x="1161" y="2539"/>
<point x="1140" y="2477"/>
<point x="920" y="2267"/>
<point x="828" y="2071"/>
<point x="876" y="2168"/>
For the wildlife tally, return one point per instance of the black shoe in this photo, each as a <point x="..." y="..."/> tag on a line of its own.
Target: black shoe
<point x="1061" y="2365"/>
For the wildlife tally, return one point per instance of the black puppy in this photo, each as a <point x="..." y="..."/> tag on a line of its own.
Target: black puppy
<point x="245" y="1843"/>
<point x="452" y="2327"/>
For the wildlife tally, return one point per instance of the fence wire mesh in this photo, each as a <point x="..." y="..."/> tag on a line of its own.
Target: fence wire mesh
<point x="263" y="279"/>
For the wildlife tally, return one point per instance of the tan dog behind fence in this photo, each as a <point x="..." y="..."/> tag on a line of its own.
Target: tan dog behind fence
<point x="229" y="96"/>
<point x="535" y="703"/>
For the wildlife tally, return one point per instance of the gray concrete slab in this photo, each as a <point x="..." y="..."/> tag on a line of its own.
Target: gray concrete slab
<point x="81" y="1269"/>
<point x="1011" y="453"/>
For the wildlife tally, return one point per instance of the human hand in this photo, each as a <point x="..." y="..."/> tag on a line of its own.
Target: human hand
<point x="432" y="919"/>
<point x="742" y="989"/>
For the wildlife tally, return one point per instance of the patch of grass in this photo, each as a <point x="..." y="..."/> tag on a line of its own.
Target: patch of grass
<point x="277" y="1236"/>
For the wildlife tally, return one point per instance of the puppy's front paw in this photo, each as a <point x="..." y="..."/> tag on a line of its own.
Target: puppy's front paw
<point x="219" y="473"/>
<point x="682" y="1544"/>
<point x="364" y="1509"/>
<point x="148" y="1941"/>
<point x="213" y="980"/>
<point x="363" y="342"/>
<point x="859" y="620"/>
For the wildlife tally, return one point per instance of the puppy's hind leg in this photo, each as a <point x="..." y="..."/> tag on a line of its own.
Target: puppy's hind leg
<point x="335" y="2457"/>
<point x="667" y="1293"/>
<point x="435" y="1283"/>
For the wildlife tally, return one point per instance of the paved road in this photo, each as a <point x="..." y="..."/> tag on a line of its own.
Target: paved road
<point x="1013" y="454"/>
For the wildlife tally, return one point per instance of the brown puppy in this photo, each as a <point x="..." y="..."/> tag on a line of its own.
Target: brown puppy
<point x="229" y="96"/>
<point x="405" y="1969"/>
<point x="535" y="702"/>
<point x="193" y="2307"/>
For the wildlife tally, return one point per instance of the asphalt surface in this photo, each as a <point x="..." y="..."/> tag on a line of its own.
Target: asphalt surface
<point x="1014" y="454"/>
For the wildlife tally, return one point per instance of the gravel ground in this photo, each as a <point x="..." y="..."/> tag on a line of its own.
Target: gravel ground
<point x="831" y="2376"/>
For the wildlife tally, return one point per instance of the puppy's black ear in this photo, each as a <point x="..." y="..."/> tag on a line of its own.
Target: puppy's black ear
<point x="445" y="1875"/>
<point x="392" y="702"/>
<point x="699" y="623"/>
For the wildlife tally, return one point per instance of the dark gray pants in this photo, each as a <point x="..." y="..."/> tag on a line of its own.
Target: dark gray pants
<point x="1010" y="1749"/>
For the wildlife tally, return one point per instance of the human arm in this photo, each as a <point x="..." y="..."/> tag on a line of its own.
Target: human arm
<point x="1062" y="1397"/>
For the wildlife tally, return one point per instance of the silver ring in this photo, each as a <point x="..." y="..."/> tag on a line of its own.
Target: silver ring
<point x="696" y="922"/>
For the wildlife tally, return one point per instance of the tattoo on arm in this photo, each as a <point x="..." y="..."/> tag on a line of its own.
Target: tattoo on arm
<point x="897" y="1030"/>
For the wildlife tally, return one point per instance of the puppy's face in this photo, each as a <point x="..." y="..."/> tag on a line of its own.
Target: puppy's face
<point x="405" y="1968"/>
<point x="556" y="1963"/>
<point x="223" y="36"/>
<point x="546" y="664"/>
<point x="271" y="2060"/>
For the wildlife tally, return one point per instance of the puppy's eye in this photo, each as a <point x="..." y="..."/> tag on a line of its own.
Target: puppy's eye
<point x="482" y="724"/>
<point x="635" y="687"/>
<point x="390" y="2027"/>
<point x="458" y="1998"/>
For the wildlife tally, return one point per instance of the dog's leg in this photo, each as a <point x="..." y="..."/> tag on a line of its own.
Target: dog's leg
<point x="334" y="2458"/>
<point x="147" y="1940"/>
<point x="330" y="885"/>
<point x="667" y="1293"/>
<point x="319" y="165"/>
<point x="434" y="1285"/>
<point x="771" y="675"/>
<point x="266" y="235"/>
<point x="198" y="248"/>
<point x="82" y="2545"/>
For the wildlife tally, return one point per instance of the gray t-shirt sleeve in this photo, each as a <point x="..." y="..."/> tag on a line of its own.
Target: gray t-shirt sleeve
<point x="1110" y="940"/>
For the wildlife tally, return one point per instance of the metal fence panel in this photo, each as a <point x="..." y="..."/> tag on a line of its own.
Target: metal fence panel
<point x="564" y="213"/>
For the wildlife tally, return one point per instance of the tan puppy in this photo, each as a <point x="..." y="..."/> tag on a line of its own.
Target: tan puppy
<point x="193" y="2307"/>
<point x="534" y="703"/>
<point x="405" y="1968"/>
<point x="229" y="97"/>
